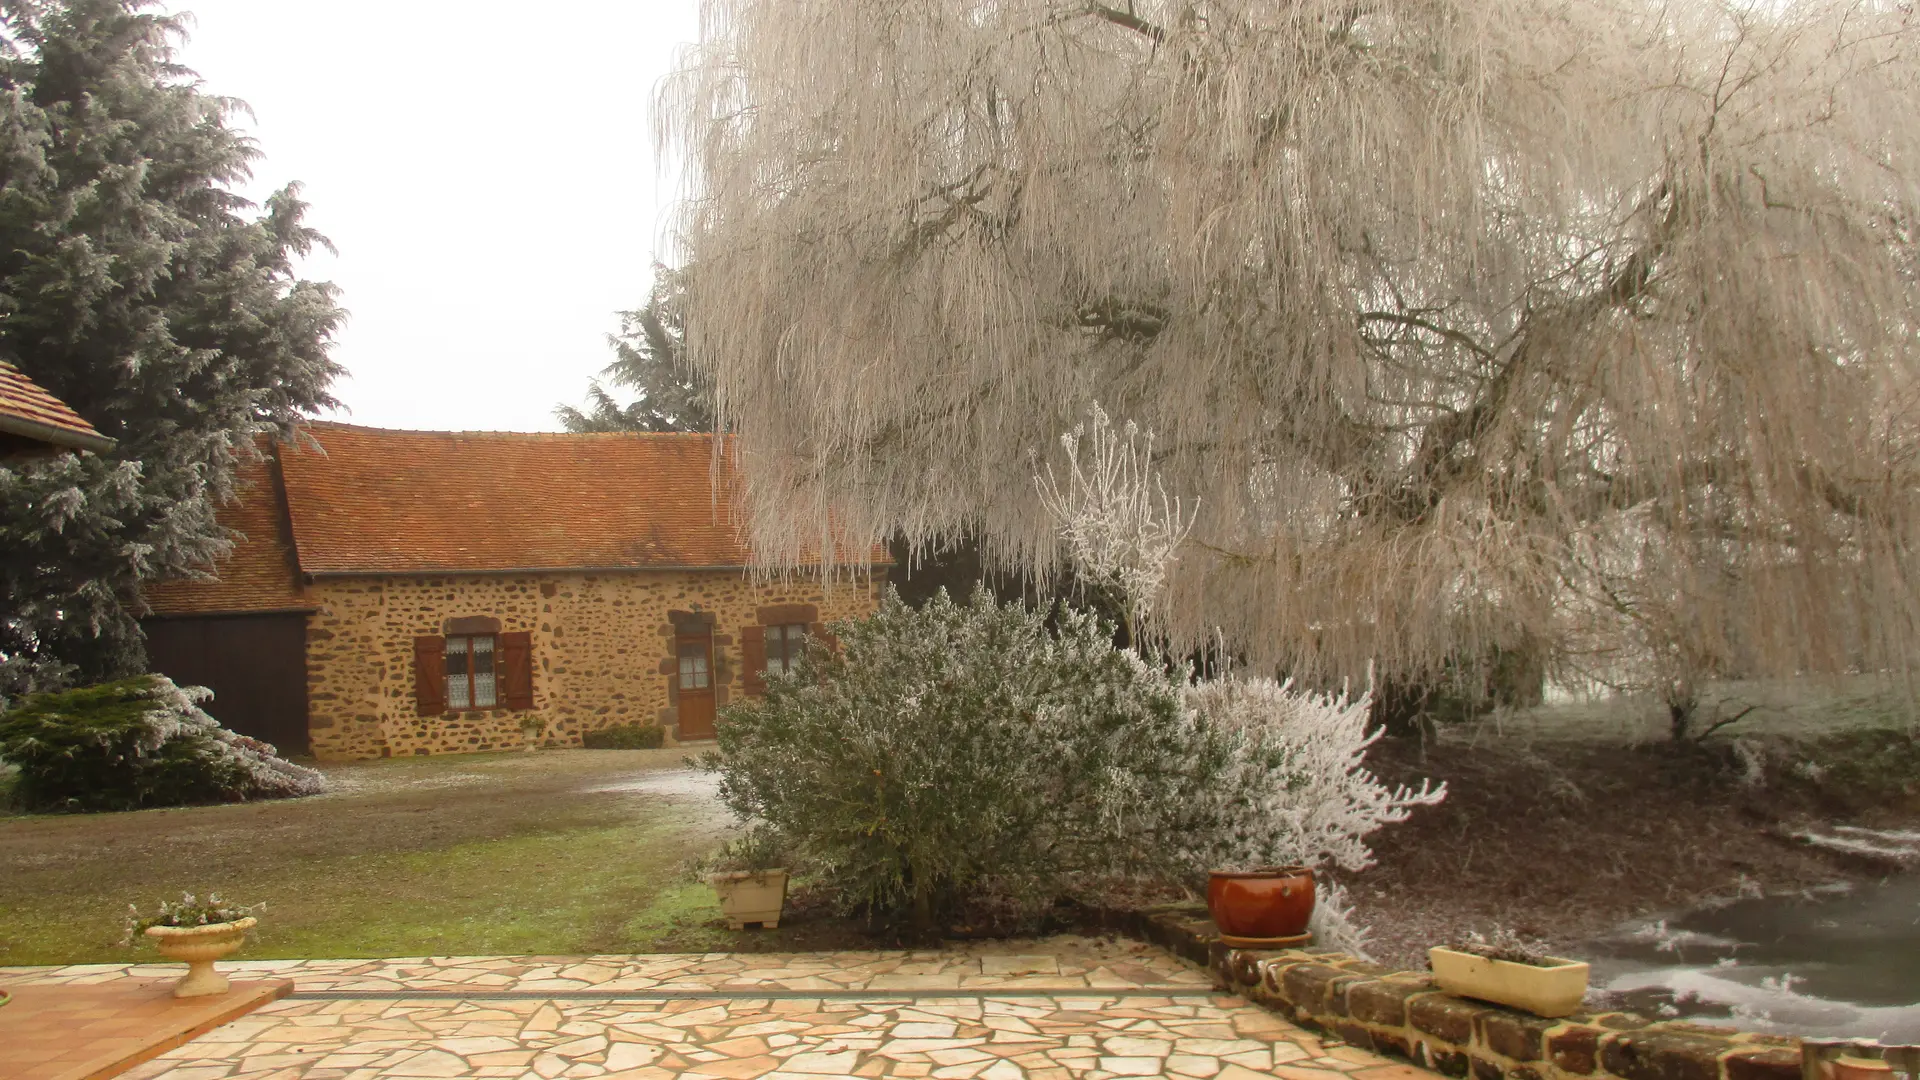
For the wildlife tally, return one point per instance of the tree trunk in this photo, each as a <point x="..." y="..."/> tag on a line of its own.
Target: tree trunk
<point x="922" y="904"/>
<point x="1400" y="707"/>
<point x="1682" y="704"/>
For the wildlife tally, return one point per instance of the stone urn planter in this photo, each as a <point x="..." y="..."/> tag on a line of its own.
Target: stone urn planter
<point x="1267" y="908"/>
<point x="198" y="947"/>
<point x="751" y="896"/>
<point x="1551" y="988"/>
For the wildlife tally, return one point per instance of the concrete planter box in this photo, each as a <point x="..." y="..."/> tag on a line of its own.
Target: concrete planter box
<point x="1550" y="991"/>
<point x="751" y="896"/>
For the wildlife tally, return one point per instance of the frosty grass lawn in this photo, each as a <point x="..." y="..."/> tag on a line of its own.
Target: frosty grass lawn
<point x="478" y="854"/>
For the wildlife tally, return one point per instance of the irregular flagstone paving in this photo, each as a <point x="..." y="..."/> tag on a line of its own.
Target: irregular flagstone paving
<point x="1066" y="963"/>
<point x="1200" y="1037"/>
<point x="1070" y="1030"/>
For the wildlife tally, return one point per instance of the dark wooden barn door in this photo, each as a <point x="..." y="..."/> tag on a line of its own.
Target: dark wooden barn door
<point x="696" y="686"/>
<point x="256" y="666"/>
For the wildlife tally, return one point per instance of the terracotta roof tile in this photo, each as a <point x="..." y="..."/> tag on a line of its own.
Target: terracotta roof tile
<point x="28" y="411"/>
<point x="259" y="574"/>
<point x="380" y="501"/>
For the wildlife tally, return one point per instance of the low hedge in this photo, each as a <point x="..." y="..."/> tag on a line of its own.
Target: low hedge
<point x="625" y="737"/>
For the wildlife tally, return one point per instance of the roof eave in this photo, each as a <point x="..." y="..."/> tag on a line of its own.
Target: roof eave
<point x="67" y="438"/>
<point x="456" y="571"/>
<point x="223" y="613"/>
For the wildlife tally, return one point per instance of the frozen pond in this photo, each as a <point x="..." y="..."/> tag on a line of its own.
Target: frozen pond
<point x="1835" y="962"/>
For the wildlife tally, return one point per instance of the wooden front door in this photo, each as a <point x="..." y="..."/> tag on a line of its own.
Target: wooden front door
<point x="696" y="687"/>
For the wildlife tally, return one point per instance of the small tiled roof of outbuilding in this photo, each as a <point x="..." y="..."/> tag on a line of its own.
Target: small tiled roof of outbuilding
<point x="28" y="411"/>
<point x="259" y="574"/>
<point x="380" y="501"/>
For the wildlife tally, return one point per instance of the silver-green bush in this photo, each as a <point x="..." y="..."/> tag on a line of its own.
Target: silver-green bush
<point x="955" y="751"/>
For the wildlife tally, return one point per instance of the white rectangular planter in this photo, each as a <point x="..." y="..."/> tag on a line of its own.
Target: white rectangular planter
<point x="751" y="896"/>
<point x="1543" y="991"/>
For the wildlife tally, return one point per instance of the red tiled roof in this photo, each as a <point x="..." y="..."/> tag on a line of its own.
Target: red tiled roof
<point x="28" y="411"/>
<point x="374" y="501"/>
<point x="379" y="501"/>
<point x="259" y="574"/>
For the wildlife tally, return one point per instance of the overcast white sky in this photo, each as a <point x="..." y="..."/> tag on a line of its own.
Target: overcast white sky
<point x="486" y="170"/>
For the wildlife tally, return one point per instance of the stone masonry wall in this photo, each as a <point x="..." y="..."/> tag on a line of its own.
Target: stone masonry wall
<point x="1403" y="1014"/>
<point x="600" y="642"/>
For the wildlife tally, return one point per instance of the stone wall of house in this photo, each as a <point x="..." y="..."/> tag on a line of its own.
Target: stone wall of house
<point x="601" y="649"/>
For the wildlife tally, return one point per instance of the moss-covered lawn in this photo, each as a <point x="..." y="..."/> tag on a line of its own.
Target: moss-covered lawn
<point x="498" y="853"/>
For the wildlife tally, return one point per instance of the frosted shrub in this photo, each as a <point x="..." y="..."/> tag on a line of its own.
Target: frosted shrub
<point x="1294" y="788"/>
<point x="1115" y="517"/>
<point x="137" y="743"/>
<point x="1285" y="781"/>
<point x="962" y="752"/>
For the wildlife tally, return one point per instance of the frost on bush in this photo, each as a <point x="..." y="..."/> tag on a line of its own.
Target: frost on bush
<point x="1284" y="775"/>
<point x="1294" y="788"/>
<point x="1115" y="516"/>
<point x="962" y="753"/>
<point x="136" y="743"/>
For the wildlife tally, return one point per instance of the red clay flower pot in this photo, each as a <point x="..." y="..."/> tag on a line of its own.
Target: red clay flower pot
<point x="1272" y="902"/>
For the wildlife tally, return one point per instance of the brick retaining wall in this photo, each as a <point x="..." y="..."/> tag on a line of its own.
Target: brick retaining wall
<point x="1401" y="1013"/>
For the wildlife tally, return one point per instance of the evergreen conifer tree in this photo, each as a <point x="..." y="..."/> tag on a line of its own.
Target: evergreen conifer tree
<point x="136" y="285"/>
<point x="650" y="356"/>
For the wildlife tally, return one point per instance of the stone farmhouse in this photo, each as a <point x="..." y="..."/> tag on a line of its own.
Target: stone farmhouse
<point x="418" y="592"/>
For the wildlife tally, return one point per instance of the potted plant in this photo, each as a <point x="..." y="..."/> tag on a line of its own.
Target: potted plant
<point x="532" y="729"/>
<point x="196" y="932"/>
<point x="1266" y="907"/>
<point x="749" y="884"/>
<point x="1508" y="970"/>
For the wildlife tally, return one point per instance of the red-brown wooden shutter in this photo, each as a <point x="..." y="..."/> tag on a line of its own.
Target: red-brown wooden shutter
<point x="516" y="670"/>
<point x="430" y="674"/>
<point x="753" y="650"/>
<point x="818" y="631"/>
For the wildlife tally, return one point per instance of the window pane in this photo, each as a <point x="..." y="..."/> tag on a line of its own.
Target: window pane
<point x="788" y="648"/>
<point x="483" y="695"/>
<point x="457" y="685"/>
<point x="693" y="666"/>
<point x="776" y="650"/>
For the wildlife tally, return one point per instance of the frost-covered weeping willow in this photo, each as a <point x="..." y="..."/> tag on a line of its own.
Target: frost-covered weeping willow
<point x="1576" y="324"/>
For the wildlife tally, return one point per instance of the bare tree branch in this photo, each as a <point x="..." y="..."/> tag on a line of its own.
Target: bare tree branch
<point x="1126" y="19"/>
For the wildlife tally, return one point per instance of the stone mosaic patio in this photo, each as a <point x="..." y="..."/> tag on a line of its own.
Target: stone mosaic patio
<point x="1063" y="1009"/>
<point x="1067" y="963"/>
